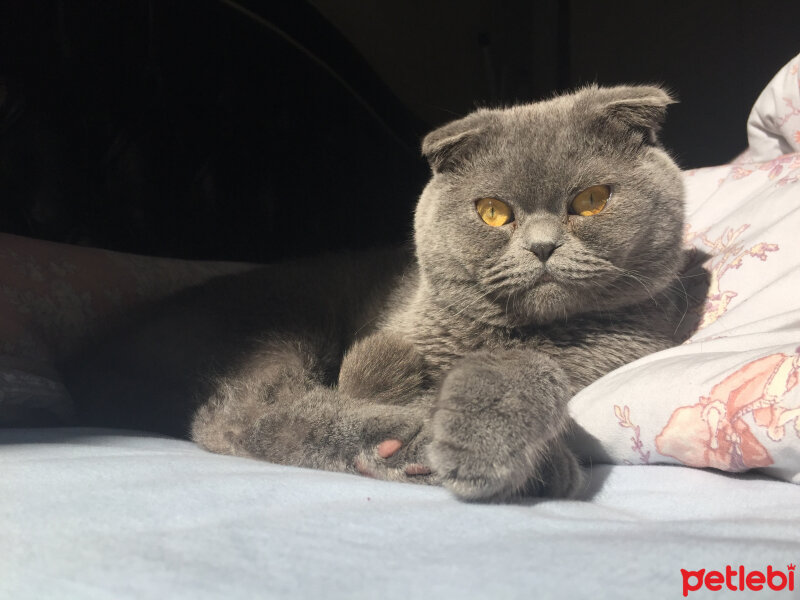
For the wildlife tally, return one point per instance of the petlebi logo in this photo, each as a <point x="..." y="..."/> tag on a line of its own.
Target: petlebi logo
<point x="739" y="579"/>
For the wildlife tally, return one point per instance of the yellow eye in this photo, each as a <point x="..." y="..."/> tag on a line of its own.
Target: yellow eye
<point x="590" y="201"/>
<point x="494" y="212"/>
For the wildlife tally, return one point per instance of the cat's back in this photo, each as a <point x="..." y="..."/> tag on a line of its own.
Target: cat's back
<point x="150" y="372"/>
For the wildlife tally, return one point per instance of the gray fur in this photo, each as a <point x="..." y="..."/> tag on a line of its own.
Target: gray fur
<point x="459" y="352"/>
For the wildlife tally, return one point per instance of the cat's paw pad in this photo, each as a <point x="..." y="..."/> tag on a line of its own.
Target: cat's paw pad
<point x="392" y="460"/>
<point x="388" y="447"/>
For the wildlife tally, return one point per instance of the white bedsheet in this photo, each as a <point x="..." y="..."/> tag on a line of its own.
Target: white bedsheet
<point x="110" y="514"/>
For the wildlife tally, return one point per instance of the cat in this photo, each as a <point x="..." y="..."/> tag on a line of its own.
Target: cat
<point x="547" y="252"/>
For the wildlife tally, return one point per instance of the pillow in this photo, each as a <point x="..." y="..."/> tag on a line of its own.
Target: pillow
<point x="773" y="128"/>
<point x="728" y="398"/>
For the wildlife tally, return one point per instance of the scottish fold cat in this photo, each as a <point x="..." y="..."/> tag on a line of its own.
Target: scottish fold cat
<point x="547" y="252"/>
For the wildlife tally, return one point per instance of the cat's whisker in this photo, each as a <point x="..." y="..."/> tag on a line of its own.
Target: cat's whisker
<point x="471" y="304"/>
<point x="686" y="302"/>
<point x="462" y="309"/>
<point x="573" y="277"/>
<point x="664" y="295"/>
<point x="497" y="278"/>
<point x="638" y="278"/>
<point x="683" y="316"/>
<point x="512" y="281"/>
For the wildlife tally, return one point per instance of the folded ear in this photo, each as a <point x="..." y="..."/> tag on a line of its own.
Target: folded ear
<point x="449" y="146"/>
<point x="637" y="106"/>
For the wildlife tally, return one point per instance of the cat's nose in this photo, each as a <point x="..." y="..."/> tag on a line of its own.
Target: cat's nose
<point x="543" y="249"/>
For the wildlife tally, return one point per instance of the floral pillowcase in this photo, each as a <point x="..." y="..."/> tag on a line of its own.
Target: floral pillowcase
<point x="729" y="397"/>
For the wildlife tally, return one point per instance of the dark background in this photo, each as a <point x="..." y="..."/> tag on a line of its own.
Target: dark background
<point x="256" y="130"/>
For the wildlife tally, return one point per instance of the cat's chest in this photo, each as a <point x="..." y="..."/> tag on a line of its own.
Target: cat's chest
<point x="442" y="336"/>
<point x="442" y="339"/>
<point x="441" y="344"/>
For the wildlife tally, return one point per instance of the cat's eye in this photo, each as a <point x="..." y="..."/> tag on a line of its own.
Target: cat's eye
<point x="494" y="212"/>
<point x="590" y="201"/>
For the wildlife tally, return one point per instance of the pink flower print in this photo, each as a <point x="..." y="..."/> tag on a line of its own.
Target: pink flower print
<point x="740" y="173"/>
<point x="703" y="436"/>
<point x="773" y="416"/>
<point x="775" y="166"/>
<point x="790" y="112"/>
<point x="623" y="414"/>
<point x="727" y="253"/>
<point x="787" y="180"/>
<point x="713" y="432"/>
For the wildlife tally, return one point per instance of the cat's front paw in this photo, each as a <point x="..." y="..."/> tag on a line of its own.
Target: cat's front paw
<point x="497" y="429"/>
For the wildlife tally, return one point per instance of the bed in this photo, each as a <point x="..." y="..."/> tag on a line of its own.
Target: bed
<point x="693" y="453"/>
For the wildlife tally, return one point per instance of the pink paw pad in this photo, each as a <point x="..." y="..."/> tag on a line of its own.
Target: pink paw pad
<point x="389" y="447"/>
<point x="417" y="469"/>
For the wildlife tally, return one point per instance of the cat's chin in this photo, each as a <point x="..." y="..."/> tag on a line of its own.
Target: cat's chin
<point x="546" y="303"/>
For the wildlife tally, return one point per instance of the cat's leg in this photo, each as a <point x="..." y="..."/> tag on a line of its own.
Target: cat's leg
<point x="386" y="372"/>
<point x="498" y="428"/>
<point x="279" y="408"/>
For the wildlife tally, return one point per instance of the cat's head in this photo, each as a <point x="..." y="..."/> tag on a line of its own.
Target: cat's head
<point x="543" y="211"/>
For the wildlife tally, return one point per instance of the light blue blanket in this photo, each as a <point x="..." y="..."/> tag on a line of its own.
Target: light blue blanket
<point x="109" y="514"/>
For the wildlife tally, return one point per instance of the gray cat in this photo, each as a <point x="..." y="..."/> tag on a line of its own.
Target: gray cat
<point x="547" y="253"/>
